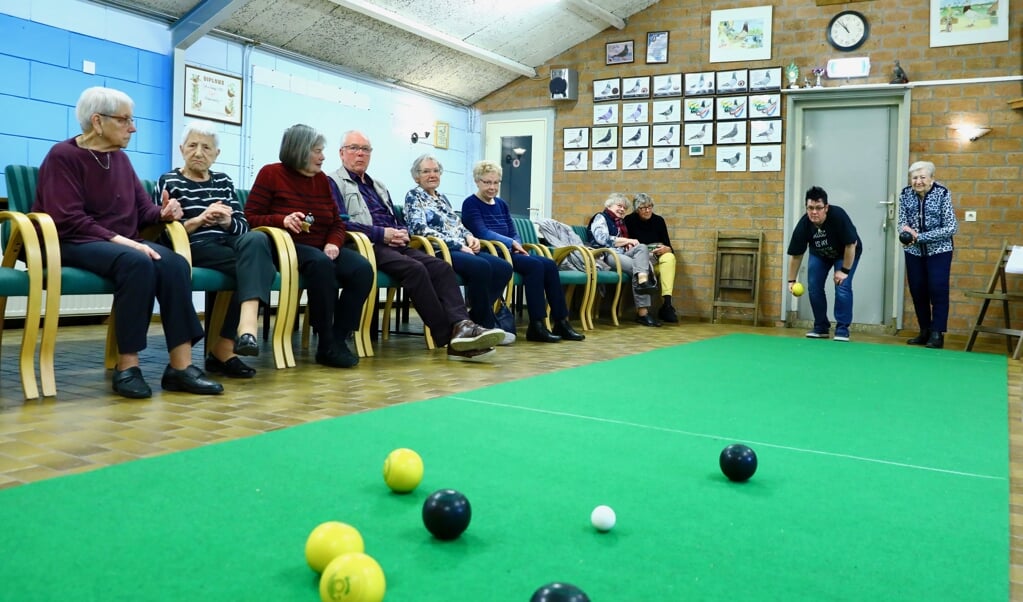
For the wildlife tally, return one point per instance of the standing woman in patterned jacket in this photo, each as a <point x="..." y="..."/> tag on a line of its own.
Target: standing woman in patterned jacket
<point x="927" y="223"/>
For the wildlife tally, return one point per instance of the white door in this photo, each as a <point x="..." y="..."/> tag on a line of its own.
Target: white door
<point x="540" y="126"/>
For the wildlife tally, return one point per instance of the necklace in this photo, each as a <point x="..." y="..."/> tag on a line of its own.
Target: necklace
<point x="107" y="166"/>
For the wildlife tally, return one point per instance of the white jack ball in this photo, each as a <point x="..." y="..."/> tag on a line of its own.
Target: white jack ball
<point x="603" y="518"/>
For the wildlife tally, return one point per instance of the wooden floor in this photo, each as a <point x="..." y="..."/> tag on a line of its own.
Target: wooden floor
<point x="86" y="427"/>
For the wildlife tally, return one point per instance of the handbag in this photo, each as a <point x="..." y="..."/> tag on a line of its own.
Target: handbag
<point x="505" y="318"/>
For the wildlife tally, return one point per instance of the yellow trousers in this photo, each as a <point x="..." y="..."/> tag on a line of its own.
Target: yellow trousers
<point x="665" y="270"/>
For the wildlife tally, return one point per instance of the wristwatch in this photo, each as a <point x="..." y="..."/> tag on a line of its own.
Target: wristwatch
<point x="844" y="270"/>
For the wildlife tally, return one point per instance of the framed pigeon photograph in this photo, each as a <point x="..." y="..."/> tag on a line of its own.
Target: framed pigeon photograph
<point x="730" y="82"/>
<point x="666" y="111"/>
<point x="698" y="109"/>
<point x="634" y="159"/>
<point x="604" y="160"/>
<point x="605" y="114"/>
<point x="666" y="158"/>
<point x="731" y="158"/>
<point x="731" y="132"/>
<point x="604" y="137"/>
<point x="635" y="87"/>
<point x="764" y="106"/>
<point x="732" y="107"/>
<point x="635" y="112"/>
<point x="617" y="53"/>
<point x="576" y="160"/>
<point x="668" y="85"/>
<point x="765" y="131"/>
<point x="635" y="135"/>
<point x="576" y="138"/>
<point x="666" y="135"/>
<point x="763" y="80"/>
<point x="698" y="84"/>
<point x="698" y="133"/>
<point x="607" y="89"/>
<point x="765" y="158"/>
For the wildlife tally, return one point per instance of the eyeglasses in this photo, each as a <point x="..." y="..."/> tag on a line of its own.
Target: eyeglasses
<point x="358" y="147"/>
<point x="816" y="207"/>
<point x="429" y="171"/>
<point x="119" y="119"/>
<point x="490" y="182"/>
<point x="645" y="208"/>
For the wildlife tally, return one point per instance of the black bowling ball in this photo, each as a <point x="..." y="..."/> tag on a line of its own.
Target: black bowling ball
<point x="906" y="238"/>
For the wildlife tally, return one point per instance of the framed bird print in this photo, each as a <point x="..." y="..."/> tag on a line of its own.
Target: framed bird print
<point x="698" y="133"/>
<point x="576" y="160"/>
<point x="605" y="114"/>
<point x="666" y="111"/>
<point x="765" y="79"/>
<point x="731" y="158"/>
<point x="666" y="135"/>
<point x="607" y="89"/>
<point x="764" y="106"/>
<point x="576" y="138"/>
<point x="765" y="158"/>
<point x="740" y="34"/>
<point x="604" y="160"/>
<point x="765" y="131"/>
<point x="730" y="82"/>
<point x="635" y="112"/>
<point x="604" y="137"/>
<point x="666" y="158"/>
<point x="634" y="159"/>
<point x="635" y="135"/>
<point x="635" y="87"/>
<point x="656" y="47"/>
<point x="668" y="85"/>
<point x="698" y="109"/>
<point x="700" y="83"/>
<point x="731" y="132"/>
<point x="956" y="22"/>
<point x="617" y="53"/>
<point x="732" y="107"/>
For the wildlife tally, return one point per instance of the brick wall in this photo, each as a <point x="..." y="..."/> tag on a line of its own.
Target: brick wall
<point x="984" y="176"/>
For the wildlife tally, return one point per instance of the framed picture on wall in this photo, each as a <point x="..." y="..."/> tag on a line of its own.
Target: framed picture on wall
<point x="635" y="135"/>
<point x="733" y="81"/>
<point x="732" y="107"/>
<point x="764" y="106"/>
<point x="607" y="89"/>
<point x="666" y="135"/>
<point x="605" y="137"/>
<point x="698" y="109"/>
<point x="576" y="160"/>
<point x="699" y="83"/>
<point x="956" y="22"/>
<point x="617" y="53"/>
<point x="731" y="132"/>
<point x="635" y="112"/>
<point x="576" y="138"/>
<point x="213" y="95"/>
<point x="636" y="87"/>
<point x="668" y="85"/>
<point x="666" y="111"/>
<point x="666" y="158"/>
<point x="740" y="34"/>
<point x="656" y="47"/>
<point x="604" y="160"/>
<point x="765" y="131"/>
<point x="605" y="114"/>
<point x="765" y="79"/>
<point x="698" y="133"/>
<point x="634" y="159"/>
<point x="765" y="158"/>
<point x="731" y="158"/>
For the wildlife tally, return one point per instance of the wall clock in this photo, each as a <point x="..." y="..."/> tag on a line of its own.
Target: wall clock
<point x="848" y="30"/>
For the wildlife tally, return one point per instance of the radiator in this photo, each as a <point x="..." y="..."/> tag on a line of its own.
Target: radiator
<point x="86" y="305"/>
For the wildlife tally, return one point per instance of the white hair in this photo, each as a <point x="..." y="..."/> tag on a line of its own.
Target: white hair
<point x="200" y="128"/>
<point x="102" y="101"/>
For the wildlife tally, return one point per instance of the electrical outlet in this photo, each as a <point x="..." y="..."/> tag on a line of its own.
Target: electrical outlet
<point x="971" y="216"/>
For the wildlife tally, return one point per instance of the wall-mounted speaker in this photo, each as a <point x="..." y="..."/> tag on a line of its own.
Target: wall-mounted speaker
<point x="564" y="84"/>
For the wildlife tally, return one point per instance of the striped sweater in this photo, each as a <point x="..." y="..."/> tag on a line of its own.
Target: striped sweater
<point x="195" y="197"/>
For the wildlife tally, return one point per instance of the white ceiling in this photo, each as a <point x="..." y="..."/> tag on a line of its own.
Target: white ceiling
<point x="464" y="49"/>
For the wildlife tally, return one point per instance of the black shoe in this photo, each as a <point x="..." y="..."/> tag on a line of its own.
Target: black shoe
<point x="129" y="383"/>
<point x="647" y="320"/>
<point x="920" y="339"/>
<point x="667" y="314"/>
<point x="246" y="344"/>
<point x="937" y="341"/>
<point x="190" y="380"/>
<point x="338" y="355"/>
<point x="234" y="367"/>
<point x="564" y="330"/>
<point x="538" y="333"/>
<point x="647" y="288"/>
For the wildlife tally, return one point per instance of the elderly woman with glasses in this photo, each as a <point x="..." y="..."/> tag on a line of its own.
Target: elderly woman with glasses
<point x="487" y="216"/>
<point x="651" y="230"/>
<point x="429" y="213"/>
<point x="89" y="188"/>
<point x="220" y="239"/>
<point x="608" y="229"/>
<point x="296" y="195"/>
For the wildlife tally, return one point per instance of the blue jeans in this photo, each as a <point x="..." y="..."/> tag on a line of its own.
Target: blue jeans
<point x="819" y="268"/>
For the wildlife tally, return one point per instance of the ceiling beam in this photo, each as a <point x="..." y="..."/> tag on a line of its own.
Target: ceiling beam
<point x="404" y="23"/>
<point x="201" y="20"/>
<point x="604" y="15"/>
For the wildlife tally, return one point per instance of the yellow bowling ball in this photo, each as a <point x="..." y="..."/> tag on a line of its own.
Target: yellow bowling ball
<point x="797" y="289"/>
<point x="403" y="470"/>
<point x="330" y="540"/>
<point x="352" y="578"/>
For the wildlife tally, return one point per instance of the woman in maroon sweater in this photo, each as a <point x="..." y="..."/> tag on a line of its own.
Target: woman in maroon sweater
<point x="295" y="195"/>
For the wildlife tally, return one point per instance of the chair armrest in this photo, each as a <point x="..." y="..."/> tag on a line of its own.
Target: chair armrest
<point x="23" y="237"/>
<point x="607" y="252"/>
<point x="498" y="248"/>
<point x="559" y="254"/>
<point x="177" y="234"/>
<point x="432" y="245"/>
<point x="540" y="250"/>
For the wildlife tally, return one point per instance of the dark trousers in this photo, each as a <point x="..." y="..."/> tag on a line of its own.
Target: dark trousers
<point x="485" y="277"/>
<point x="543" y="287"/>
<point x="138" y="281"/>
<point x="331" y="316"/>
<point x="245" y="258"/>
<point x="928" y="285"/>
<point x="431" y="285"/>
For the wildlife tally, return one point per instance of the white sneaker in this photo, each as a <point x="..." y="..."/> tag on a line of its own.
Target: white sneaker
<point x="813" y="334"/>
<point x="842" y="337"/>
<point x="509" y="338"/>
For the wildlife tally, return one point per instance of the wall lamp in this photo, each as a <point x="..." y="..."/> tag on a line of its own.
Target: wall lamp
<point x="970" y="132"/>
<point x="416" y="136"/>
